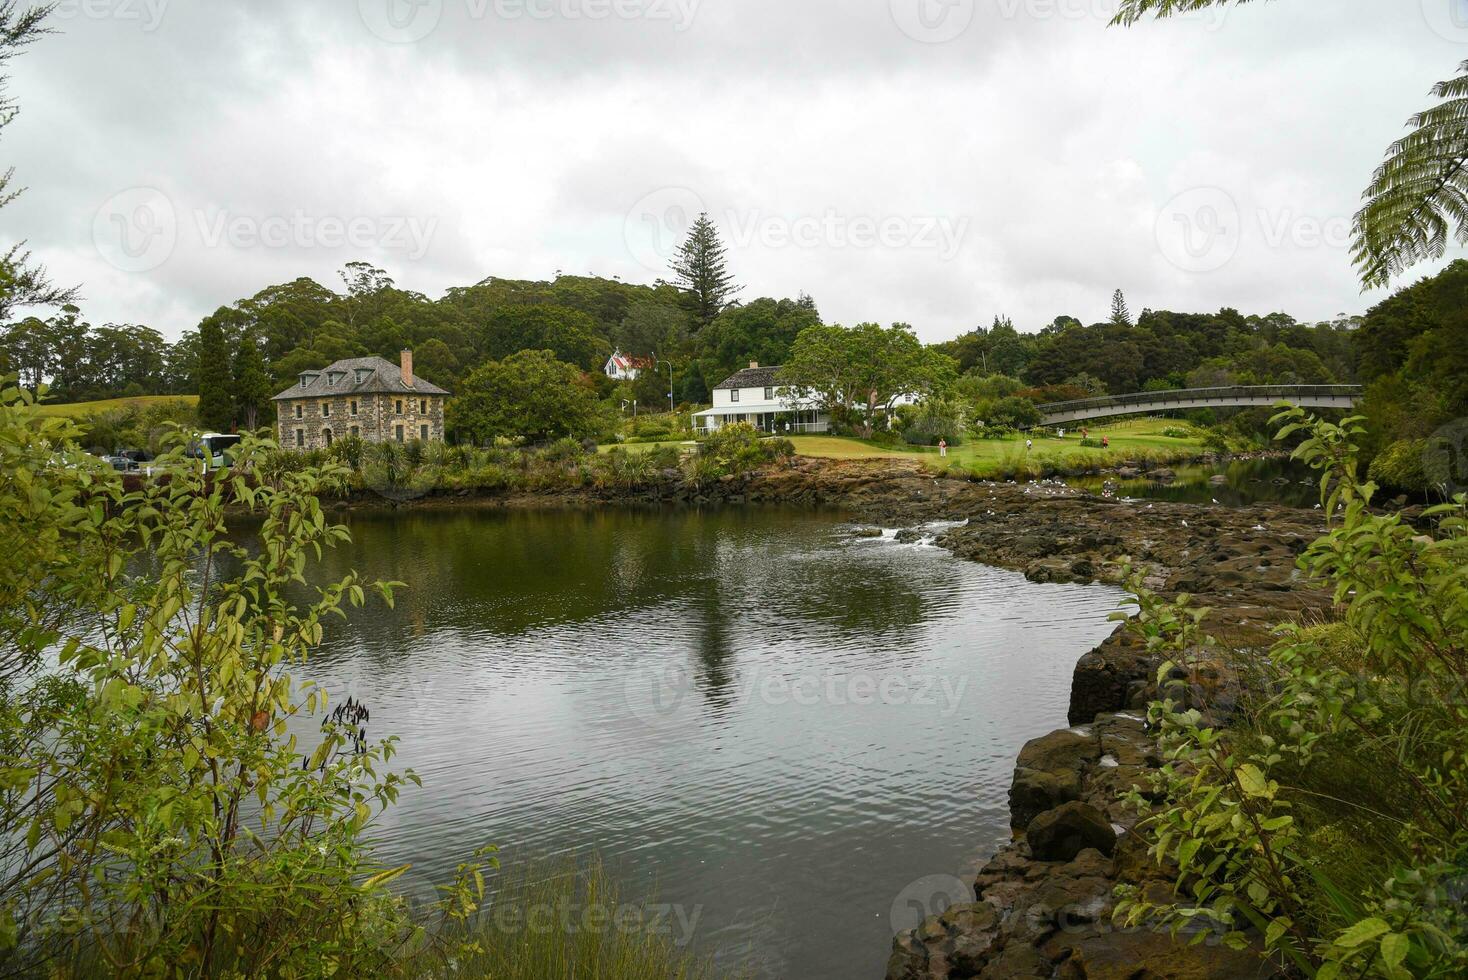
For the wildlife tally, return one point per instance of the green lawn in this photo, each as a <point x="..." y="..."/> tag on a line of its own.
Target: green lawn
<point x="1130" y="439"/>
<point x="77" y="410"/>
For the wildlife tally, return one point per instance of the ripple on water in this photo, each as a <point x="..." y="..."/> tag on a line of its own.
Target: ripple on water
<point x="750" y="712"/>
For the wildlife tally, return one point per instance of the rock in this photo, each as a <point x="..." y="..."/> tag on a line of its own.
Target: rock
<point x="1127" y="472"/>
<point x="868" y="532"/>
<point x="1064" y="832"/>
<point x="1163" y="475"/>
<point x="908" y="535"/>
<point x="1048" y="773"/>
<point x="1153" y="954"/>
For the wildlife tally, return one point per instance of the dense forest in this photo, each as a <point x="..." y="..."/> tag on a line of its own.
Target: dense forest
<point x="1410" y="350"/>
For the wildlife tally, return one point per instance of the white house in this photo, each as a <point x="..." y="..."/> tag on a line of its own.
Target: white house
<point x="625" y="367"/>
<point x="753" y="396"/>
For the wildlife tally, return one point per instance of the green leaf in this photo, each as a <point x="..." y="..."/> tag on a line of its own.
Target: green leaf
<point x="1252" y="780"/>
<point x="1362" y="932"/>
<point x="1394" y="948"/>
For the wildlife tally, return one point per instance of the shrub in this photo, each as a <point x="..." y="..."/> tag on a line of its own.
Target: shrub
<point x="1400" y="466"/>
<point x="1327" y="821"/>
<point x="128" y="762"/>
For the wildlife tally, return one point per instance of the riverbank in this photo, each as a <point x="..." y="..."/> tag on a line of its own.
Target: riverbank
<point x="1041" y="906"/>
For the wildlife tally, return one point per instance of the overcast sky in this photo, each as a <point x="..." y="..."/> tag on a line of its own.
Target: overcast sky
<point x="930" y="161"/>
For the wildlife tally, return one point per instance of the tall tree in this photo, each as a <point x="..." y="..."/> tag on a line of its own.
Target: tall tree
<point x="22" y="283"/>
<point x="862" y="372"/>
<point x="528" y="395"/>
<point x="251" y="381"/>
<point x="216" y="384"/>
<point x="1120" y="315"/>
<point x="701" y="268"/>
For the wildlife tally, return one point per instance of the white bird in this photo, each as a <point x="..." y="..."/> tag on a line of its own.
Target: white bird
<point x="1185" y="523"/>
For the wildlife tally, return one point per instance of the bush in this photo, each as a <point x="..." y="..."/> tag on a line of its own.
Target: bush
<point x="1326" y="821"/>
<point x="1400" y="466"/>
<point x="128" y="762"/>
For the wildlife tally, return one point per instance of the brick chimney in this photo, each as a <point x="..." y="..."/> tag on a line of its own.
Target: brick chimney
<point x="753" y="364"/>
<point x="408" y="368"/>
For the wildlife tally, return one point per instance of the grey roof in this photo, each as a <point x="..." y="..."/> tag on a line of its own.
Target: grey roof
<point x="386" y="379"/>
<point x="760" y="377"/>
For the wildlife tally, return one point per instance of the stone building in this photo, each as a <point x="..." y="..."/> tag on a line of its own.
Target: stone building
<point x="360" y="396"/>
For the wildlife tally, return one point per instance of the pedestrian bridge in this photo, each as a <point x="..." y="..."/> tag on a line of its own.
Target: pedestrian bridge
<point x="1239" y="396"/>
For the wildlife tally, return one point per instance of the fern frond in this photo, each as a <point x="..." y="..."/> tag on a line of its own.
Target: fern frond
<point x="1418" y="196"/>
<point x="1134" y="10"/>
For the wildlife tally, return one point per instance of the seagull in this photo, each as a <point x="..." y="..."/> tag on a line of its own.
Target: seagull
<point x="1215" y="500"/>
<point x="1185" y="523"/>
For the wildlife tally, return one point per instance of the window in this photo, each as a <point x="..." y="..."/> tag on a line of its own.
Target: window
<point x="423" y="432"/>
<point x="299" y="409"/>
<point x="423" y="406"/>
<point x="356" y="432"/>
<point x="769" y="394"/>
<point x="326" y="410"/>
<point x="400" y="411"/>
<point x="326" y="434"/>
<point x="354" y="408"/>
<point x="734" y="395"/>
<point x="300" y="438"/>
<point x="400" y="434"/>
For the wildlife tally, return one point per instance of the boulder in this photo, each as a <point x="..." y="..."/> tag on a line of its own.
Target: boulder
<point x="1049" y="773"/>
<point x="1064" y="832"/>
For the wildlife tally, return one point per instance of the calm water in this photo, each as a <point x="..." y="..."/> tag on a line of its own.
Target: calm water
<point x="1250" y="481"/>
<point x="775" y="728"/>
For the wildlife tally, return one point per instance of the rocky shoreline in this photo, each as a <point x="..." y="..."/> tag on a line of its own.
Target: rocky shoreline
<point x="1042" y="905"/>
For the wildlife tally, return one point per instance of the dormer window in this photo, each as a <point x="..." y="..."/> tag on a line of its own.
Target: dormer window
<point x="362" y="374"/>
<point x="332" y="377"/>
<point x="308" y="377"/>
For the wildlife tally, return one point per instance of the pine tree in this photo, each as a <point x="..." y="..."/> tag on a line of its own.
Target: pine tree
<point x="216" y="394"/>
<point x="251" y="382"/>
<point x="1120" y="315"/>
<point x="701" y="269"/>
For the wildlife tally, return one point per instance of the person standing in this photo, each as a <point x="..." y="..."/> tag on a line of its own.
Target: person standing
<point x="943" y="448"/>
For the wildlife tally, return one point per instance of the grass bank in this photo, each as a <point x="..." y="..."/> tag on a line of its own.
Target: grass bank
<point x="1150" y="440"/>
<point x="79" y="410"/>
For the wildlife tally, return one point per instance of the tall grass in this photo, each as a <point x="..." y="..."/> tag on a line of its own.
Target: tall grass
<point x="570" y="923"/>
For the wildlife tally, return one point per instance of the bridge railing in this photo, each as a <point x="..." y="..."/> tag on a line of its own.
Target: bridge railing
<point x="1287" y="393"/>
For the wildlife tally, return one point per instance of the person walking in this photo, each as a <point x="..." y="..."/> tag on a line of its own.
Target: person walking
<point x="943" y="448"/>
<point x="1029" y="444"/>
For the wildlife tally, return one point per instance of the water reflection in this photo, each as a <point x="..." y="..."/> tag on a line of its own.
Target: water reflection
<point x="747" y="711"/>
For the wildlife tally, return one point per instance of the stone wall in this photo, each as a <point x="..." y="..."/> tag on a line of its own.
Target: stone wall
<point x="377" y="419"/>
